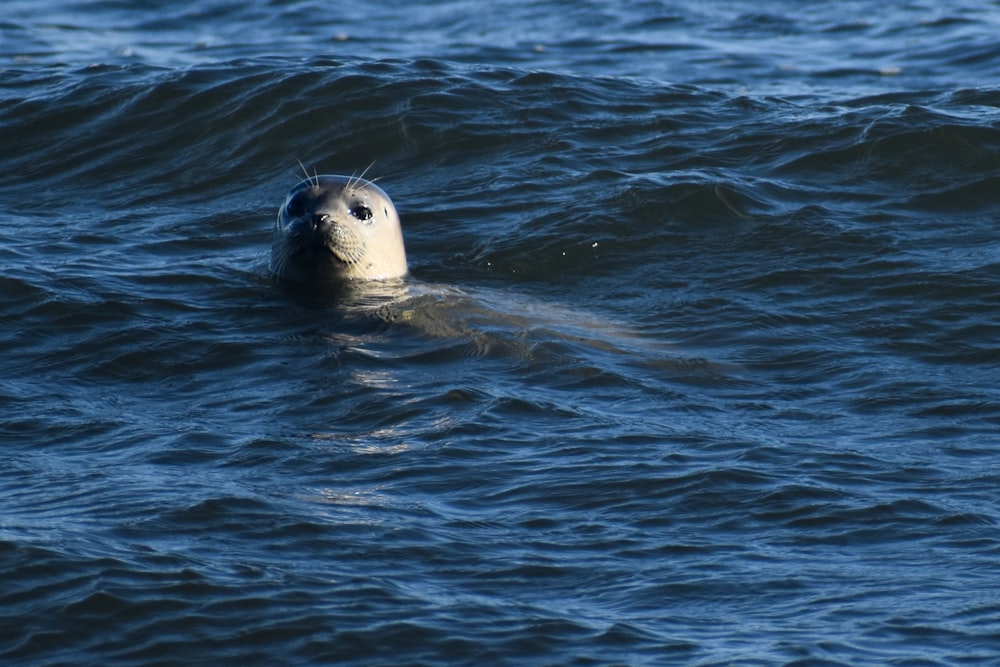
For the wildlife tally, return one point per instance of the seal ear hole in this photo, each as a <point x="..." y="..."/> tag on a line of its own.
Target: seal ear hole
<point x="362" y="212"/>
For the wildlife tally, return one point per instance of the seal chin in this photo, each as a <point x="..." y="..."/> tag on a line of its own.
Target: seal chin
<point x="325" y="261"/>
<point x="337" y="259"/>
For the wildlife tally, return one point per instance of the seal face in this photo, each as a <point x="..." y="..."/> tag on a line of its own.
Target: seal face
<point x="333" y="229"/>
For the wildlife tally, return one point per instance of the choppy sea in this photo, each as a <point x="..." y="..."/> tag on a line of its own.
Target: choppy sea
<point x="709" y="373"/>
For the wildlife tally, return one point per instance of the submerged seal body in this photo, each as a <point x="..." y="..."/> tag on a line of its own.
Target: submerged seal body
<point x="334" y="229"/>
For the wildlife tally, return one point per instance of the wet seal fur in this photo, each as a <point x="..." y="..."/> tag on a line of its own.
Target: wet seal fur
<point x="337" y="229"/>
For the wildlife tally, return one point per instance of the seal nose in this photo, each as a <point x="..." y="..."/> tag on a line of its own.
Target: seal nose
<point x="320" y="219"/>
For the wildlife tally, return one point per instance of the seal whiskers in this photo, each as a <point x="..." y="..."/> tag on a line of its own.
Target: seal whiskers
<point x="355" y="180"/>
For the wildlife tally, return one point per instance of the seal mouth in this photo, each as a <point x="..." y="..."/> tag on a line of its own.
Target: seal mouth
<point x="317" y="241"/>
<point x="317" y="251"/>
<point x="337" y="256"/>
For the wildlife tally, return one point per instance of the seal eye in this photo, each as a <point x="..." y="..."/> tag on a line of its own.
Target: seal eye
<point x="362" y="212"/>
<point x="296" y="207"/>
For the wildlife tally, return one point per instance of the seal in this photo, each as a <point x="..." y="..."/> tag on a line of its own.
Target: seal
<point x="337" y="229"/>
<point x="340" y="238"/>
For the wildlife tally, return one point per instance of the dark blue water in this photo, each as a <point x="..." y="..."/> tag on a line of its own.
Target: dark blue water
<point x="703" y="366"/>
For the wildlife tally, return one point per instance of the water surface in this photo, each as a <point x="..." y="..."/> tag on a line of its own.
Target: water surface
<point x="704" y="369"/>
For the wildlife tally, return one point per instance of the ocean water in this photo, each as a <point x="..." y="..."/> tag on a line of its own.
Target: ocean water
<point x="703" y="370"/>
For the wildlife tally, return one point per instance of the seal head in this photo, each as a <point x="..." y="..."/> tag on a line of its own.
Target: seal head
<point x="335" y="229"/>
